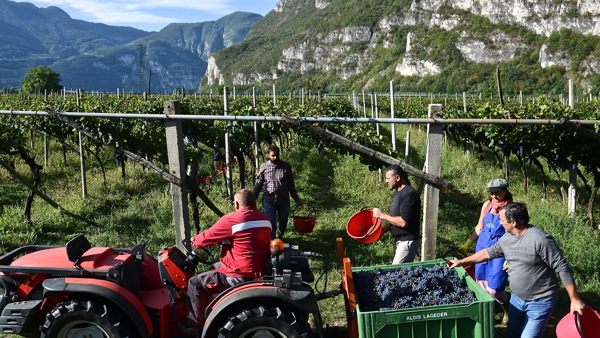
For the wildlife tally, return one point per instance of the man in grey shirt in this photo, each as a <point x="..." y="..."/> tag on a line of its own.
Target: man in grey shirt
<point x="533" y="259"/>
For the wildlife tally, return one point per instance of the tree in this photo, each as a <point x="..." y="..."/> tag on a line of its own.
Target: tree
<point x="39" y="79"/>
<point x="10" y="90"/>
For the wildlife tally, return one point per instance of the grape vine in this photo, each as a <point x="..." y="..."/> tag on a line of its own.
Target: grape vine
<point x="560" y="148"/>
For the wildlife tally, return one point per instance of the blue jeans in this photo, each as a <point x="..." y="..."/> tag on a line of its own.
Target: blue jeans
<point x="278" y="213"/>
<point x="529" y="319"/>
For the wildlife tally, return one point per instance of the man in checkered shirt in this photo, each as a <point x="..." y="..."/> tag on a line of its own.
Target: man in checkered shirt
<point x="277" y="179"/>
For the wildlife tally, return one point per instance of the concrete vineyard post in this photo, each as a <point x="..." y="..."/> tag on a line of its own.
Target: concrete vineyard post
<point x="364" y="103"/>
<point x="521" y="98"/>
<point x="82" y="161"/>
<point x="393" y="115"/>
<point x="376" y="114"/>
<point x="571" y="95"/>
<point x="407" y="147"/>
<point x="572" y="190"/>
<point x="45" y="150"/>
<point x="227" y="173"/>
<point x="256" y="164"/>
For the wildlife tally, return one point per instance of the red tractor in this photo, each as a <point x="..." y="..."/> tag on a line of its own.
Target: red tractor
<point x="82" y="291"/>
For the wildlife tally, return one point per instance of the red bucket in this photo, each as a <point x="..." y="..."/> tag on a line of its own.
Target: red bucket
<point x="364" y="227"/>
<point x="203" y="179"/>
<point x="469" y="268"/>
<point x="305" y="224"/>
<point x="574" y="325"/>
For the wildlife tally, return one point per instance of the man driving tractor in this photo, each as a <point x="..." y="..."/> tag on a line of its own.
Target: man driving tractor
<point x="244" y="236"/>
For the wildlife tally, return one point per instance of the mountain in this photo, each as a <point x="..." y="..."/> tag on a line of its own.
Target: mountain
<point x="445" y="46"/>
<point x="99" y="57"/>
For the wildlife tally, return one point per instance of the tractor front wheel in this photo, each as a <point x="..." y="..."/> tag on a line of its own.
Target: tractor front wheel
<point x="85" y="318"/>
<point x="263" y="322"/>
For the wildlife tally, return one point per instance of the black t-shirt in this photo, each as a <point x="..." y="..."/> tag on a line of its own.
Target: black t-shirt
<point x="406" y="203"/>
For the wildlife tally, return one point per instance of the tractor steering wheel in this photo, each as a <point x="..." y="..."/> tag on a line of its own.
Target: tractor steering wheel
<point x="197" y="253"/>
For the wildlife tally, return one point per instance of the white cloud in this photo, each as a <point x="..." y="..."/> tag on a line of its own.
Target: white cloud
<point x="130" y="11"/>
<point x="153" y="15"/>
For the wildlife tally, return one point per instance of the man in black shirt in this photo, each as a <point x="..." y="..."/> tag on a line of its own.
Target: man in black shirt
<point x="404" y="216"/>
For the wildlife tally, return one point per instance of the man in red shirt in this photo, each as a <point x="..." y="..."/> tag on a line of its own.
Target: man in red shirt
<point x="244" y="236"/>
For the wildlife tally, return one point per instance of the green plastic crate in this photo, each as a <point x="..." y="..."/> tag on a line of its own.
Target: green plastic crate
<point x="443" y="321"/>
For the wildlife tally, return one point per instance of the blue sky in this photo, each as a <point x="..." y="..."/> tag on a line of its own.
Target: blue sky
<point x="153" y="15"/>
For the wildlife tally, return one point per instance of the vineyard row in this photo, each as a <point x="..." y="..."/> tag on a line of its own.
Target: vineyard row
<point x="560" y="148"/>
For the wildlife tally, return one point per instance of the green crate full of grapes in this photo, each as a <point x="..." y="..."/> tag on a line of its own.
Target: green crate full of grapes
<point x="421" y="300"/>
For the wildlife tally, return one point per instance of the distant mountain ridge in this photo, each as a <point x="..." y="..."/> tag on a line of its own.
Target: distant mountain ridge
<point x="99" y="57"/>
<point x="445" y="46"/>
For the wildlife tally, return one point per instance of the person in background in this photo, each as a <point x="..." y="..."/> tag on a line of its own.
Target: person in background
<point x="244" y="236"/>
<point x="533" y="259"/>
<point x="404" y="216"/>
<point x="218" y="159"/>
<point x="277" y="179"/>
<point x="491" y="275"/>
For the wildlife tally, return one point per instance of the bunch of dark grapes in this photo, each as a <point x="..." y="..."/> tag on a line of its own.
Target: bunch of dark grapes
<point x="409" y="287"/>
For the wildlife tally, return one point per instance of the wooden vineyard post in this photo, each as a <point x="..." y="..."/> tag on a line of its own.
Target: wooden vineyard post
<point x="179" y="194"/>
<point x="432" y="195"/>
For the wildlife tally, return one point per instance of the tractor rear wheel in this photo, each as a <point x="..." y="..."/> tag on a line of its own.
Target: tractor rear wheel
<point x="85" y="318"/>
<point x="263" y="322"/>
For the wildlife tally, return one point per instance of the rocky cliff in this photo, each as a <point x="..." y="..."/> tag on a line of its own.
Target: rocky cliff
<point x="416" y="39"/>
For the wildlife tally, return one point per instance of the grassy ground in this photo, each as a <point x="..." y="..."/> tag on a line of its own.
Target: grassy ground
<point x="138" y="208"/>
